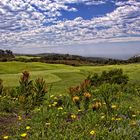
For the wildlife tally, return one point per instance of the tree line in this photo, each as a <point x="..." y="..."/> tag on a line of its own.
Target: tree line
<point x="6" y="55"/>
<point x="74" y="60"/>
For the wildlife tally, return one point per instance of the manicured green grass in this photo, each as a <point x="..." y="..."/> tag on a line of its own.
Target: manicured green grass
<point x="26" y="57"/>
<point x="59" y="76"/>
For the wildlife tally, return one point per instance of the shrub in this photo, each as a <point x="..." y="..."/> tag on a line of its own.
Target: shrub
<point x="40" y="89"/>
<point x="81" y="94"/>
<point x="25" y="92"/>
<point x="109" y="93"/>
<point x="114" y="76"/>
<point x="30" y="93"/>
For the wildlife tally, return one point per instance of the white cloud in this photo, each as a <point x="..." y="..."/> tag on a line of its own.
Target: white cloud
<point x="22" y="22"/>
<point x="87" y="2"/>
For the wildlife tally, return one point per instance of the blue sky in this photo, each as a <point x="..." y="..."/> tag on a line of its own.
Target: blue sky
<point x="84" y="27"/>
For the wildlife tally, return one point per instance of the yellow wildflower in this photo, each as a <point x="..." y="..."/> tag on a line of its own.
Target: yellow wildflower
<point x="102" y="117"/>
<point x="6" y="137"/>
<point x="113" y="119"/>
<point x="23" y="135"/>
<point x="133" y="123"/>
<point x="19" y="118"/>
<point x="47" y="124"/>
<point x="54" y="104"/>
<point x="52" y="96"/>
<point x="118" y="119"/>
<point x="104" y="103"/>
<point x="75" y="99"/>
<point x="28" y="127"/>
<point x="133" y="115"/>
<point x="64" y="113"/>
<point x="60" y="108"/>
<point x="38" y="109"/>
<point x="73" y="116"/>
<point x="50" y="105"/>
<point x="113" y="106"/>
<point x="94" y="99"/>
<point x="130" y="107"/>
<point x="92" y="132"/>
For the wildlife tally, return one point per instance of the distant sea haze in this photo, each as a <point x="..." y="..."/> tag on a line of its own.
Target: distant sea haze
<point x="117" y="50"/>
<point x="114" y="56"/>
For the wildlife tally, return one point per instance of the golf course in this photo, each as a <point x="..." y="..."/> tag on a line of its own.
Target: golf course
<point x="60" y="76"/>
<point x="40" y="101"/>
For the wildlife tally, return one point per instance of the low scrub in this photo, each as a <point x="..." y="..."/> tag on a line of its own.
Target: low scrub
<point x="114" y="76"/>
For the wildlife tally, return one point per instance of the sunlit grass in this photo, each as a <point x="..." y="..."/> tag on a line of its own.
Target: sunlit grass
<point x="82" y="117"/>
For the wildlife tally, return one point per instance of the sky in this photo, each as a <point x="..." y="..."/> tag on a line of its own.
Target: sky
<point x="104" y="28"/>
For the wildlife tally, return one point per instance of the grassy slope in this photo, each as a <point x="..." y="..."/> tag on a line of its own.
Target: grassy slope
<point x="61" y="77"/>
<point x="58" y="75"/>
<point x="26" y="57"/>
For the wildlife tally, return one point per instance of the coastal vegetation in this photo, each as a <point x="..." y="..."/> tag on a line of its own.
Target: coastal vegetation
<point x="56" y="101"/>
<point x="67" y="59"/>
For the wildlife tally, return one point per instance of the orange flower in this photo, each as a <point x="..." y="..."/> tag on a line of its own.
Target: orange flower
<point x="96" y="105"/>
<point x="87" y="94"/>
<point x="133" y="123"/>
<point x="75" y="99"/>
<point x="22" y="99"/>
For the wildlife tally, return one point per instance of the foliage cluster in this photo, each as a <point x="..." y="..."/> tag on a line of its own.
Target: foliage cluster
<point x="114" y="76"/>
<point x="28" y="95"/>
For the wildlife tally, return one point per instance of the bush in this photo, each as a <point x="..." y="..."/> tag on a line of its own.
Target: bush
<point x="31" y="94"/>
<point x="25" y="92"/>
<point x="114" y="76"/>
<point x="81" y="94"/>
<point x="110" y="95"/>
<point x="40" y="89"/>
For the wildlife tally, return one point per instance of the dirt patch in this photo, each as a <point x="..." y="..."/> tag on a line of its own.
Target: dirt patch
<point x="7" y="121"/>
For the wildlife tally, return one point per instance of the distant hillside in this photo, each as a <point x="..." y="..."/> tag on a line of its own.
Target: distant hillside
<point x="68" y="59"/>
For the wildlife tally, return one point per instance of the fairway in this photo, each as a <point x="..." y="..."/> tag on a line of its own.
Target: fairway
<point x="59" y="76"/>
